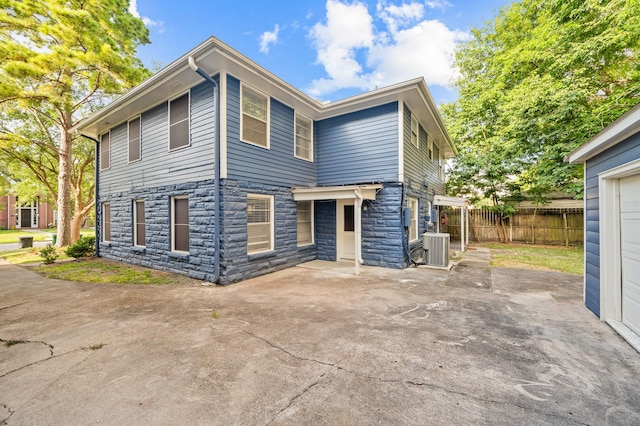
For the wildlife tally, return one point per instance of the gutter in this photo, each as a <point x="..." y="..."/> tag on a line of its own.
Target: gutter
<point x="216" y="173"/>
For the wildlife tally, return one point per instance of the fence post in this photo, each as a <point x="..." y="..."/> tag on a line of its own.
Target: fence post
<point x="566" y="230"/>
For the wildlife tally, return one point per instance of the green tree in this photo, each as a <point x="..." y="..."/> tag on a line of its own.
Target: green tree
<point x="536" y="82"/>
<point x="59" y="61"/>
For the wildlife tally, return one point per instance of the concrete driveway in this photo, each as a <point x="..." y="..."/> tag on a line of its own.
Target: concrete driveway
<point x="314" y="345"/>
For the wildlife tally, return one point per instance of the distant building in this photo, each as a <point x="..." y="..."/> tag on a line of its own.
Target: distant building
<point x="15" y="214"/>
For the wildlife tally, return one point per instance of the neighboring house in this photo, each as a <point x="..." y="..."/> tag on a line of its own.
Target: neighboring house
<point x="298" y="179"/>
<point x="612" y="224"/>
<point x="15" y="214"/>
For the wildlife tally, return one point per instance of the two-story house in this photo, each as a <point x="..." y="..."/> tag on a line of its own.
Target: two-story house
<point x="218" y="169"/>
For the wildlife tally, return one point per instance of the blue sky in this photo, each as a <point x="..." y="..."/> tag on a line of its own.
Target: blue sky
<point x="330" y="49"/>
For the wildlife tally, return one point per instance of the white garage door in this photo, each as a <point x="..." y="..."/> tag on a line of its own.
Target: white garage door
<point x="630" y="250"/>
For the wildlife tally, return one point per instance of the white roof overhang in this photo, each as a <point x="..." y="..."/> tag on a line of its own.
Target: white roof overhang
<point x="214" y="57"/>
<point x="351" y="192"/>
<point x="441" y="200"/>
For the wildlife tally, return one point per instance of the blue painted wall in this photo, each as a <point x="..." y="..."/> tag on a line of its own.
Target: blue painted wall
<point x="157" y="165"/>
<point x="382" y="231"/>
<point x="358" y="147"/>
<point x="617" y="155"/>
<point x="325" y="229"/>
<point x="274" y="166"/>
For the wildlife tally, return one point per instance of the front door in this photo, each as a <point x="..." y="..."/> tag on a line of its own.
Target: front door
<point x="346" y="236"/>
<point x="25" y="218"/>
<point x="630" y="250"/>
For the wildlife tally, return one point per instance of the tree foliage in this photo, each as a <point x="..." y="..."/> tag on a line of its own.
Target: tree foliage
<point x="536" y="82"/>
<point x="59" y="61"/>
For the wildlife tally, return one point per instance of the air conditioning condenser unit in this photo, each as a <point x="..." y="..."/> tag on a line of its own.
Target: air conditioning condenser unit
<point x="436" y="246"/>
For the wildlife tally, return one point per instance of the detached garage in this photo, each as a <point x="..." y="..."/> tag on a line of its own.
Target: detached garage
<point x="612" y="224"/>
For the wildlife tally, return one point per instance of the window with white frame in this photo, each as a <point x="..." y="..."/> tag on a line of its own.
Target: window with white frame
<point x="259" y="223"/>
<point x="430" y="146"/>
<point x="304" y="138"/>
<point x="413" y="225"/>
<point x="305" y="222"/>
<point x="179" y="122"/>
<point x="106" y="222"/>
<point x="139" y="224"/>
<point x="414" y="130"/>
<point x="441" y="166"/>
<point x="254" y="117"/>
<point x="134" y="139"/>
<point x="180" y="224"/>
<point x="105" y="151"/>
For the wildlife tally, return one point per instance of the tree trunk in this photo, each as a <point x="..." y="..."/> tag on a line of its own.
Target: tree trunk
<point x="64" y="187"/>
<point x="76" y="225"/>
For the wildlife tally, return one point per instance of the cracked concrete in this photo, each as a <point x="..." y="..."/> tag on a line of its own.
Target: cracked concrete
<point x="315" y="345"/>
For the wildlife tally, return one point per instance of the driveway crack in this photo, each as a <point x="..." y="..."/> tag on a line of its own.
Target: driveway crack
<point x="4" y="421"/>
<point x="12" y="342"/>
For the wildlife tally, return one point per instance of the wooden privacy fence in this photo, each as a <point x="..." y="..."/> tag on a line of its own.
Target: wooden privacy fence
<point x="560" y="226"/>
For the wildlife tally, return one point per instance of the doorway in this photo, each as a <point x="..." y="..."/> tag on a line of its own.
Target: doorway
<point x="345" y="235"/>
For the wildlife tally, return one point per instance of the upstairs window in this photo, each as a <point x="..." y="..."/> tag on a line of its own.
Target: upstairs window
<point x="139" y="224"/>
<point x="414" y="130"/>
<point x="304" y="138"/>
<point x="105" y="151"/>
<point x="441" y="166"/>
<point x="305" y="222"/>
<point x="179" y="122"/>
<point x="134" y="139"/>
<point x="254" y="117"/>
<point x="259" y="223"/>
<point x="430" y="144"/>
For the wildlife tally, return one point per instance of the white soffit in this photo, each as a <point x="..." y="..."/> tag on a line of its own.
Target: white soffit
<point x="367" y="192"/>
<point x="441" y="200"/>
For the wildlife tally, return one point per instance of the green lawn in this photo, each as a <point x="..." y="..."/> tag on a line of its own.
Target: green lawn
<point x="550" y="258"/>
<point x="27" y="255"/>
<point x="13" y="235"/>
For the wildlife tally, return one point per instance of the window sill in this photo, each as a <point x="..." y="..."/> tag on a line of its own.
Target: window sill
<point x="305" y="246"/>
<point x="262" y="255"/>
<point x="183" y="255"/>
<point x="139" y="249"/>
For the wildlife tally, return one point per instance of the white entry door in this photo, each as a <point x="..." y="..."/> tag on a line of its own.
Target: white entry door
<point x="346" y="236"/>
<point x="630" y="250"/>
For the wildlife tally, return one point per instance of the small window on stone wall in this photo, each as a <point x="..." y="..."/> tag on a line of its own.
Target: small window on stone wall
<point x="180" y="224"/>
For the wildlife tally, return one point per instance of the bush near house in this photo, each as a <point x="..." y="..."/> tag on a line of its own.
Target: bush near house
<point x="84" y="247"/>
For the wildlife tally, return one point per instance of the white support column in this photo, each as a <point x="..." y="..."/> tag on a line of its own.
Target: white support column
<point x="358" y="230"/>
<point x="462" y="227"/>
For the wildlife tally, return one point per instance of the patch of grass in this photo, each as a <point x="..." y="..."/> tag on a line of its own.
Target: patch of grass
<point x="215" y="314"/>
<point x="27" y="255"/>
<point x="13" y="235"/>
<point x="549" y="258"/>
<point x="12" y="342"/>
<point x="98" y="270"/>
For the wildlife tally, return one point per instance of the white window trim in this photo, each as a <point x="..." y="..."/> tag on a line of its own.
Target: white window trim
<point x="242" y="139"/>
<point x="139" y="117"/>
<point x="414" y="119"/>
<point x="295" y="137"/>
<point x="312" y="219"/>
<point x="271" y="223"/>
<point x="188" y="119"/>
<point x="135" y="223"/>
<point x="441" y="167"/>
<point x="109" y="153"/>
<point x="103" y="223"/>
<point x="430" y="147"/>
<point x="414" y="220"/>
<point x="173" y="223"/>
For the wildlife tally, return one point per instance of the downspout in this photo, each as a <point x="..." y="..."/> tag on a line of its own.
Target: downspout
<point x="358" y="218"/>
<point x="216" y="173"/>
<point x="96" y="192"/>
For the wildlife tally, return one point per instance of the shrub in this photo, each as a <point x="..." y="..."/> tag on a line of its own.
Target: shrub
<point x="49" y="254"/>
<point x="84" y="247"/>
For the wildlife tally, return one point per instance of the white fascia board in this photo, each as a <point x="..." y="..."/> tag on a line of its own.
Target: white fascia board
<point x="623" y="128"/>
<point x="367" y="192"/>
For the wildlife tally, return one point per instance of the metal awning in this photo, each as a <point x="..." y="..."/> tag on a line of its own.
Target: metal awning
<point x="441" y="200"/>
<point x="351" y="192"/>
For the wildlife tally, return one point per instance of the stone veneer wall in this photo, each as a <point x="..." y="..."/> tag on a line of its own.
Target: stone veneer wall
<point x="382" y="230"/>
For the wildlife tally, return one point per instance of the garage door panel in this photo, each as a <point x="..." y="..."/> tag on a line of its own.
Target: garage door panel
<point x="630" y="250"/>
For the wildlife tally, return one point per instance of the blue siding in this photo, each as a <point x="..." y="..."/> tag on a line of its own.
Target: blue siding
<point x="274" y="166"/>
<point x="417" y="165"/>
<point x="617" y="155"/>
<point x="157" y="165"/>
<point x="358" y="147"/>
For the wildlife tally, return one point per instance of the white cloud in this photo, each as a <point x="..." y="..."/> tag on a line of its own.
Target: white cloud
<point x="437" y="4"/>
<point x="349" y="28"/>
<point x="148" y="22"/>
<point x="268" y="38"/>
<point x="358" y="54"/>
